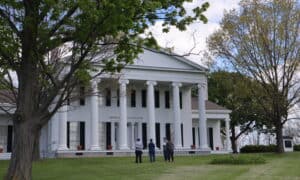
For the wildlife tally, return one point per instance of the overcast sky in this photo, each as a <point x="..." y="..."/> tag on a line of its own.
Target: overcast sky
<point x="182" y="42"/>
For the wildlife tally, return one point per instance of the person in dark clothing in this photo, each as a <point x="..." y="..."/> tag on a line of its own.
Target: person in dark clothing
<point x="138" y="151"/>
<point x="151" y="148"/>
<point x="165" y="149"/>
<point x="170" y="151"/>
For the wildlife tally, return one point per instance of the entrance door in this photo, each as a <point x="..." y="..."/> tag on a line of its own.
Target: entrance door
<point x="168" y="131"/>
<point x="144" y="135"/>
<point x="194" y="136"/>
<point x="82" y="135"/>
<point x="108" y="135"/>
<point x="157" y="132"/>
<point x="211" y="138"/>
<point x="9" y="138"/>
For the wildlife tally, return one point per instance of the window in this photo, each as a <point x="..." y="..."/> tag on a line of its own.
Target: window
<point x="144" y="98"/>
<point x="133" y="100"/>
<point x="107" y="97"/>
<point x="81" y="96"/>
<point x="167" y="99"/>
<point x="180" y="99"/>
<point x="156" y="98"/>
<point x="118" y="97"/>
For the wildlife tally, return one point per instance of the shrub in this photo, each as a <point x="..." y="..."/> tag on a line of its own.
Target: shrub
<point x="238" y="160"/>
<point x="258" y="148"/>
<point x="297" y="147"/>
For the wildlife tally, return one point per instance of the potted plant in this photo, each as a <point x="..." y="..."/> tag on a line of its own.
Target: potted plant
<point x="79" y="147"/>
<point x="1" y="149"/>
<point x="109" y="147"/>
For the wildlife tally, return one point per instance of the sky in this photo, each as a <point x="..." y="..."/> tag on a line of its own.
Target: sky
<point x="183" y="42"/>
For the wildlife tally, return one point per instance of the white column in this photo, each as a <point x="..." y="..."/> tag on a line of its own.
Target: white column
<point x="140" y="131"/>
<point x="228" y="148"/>
<point x="202" y="117"/>
<point x="151" y="109"/>
<point x="132" y="136"/>
<point x="94" y="116"/>
<point x="63" y="117"/>
<point x="112" y="136"/>
<point x="123" y="115"/>
<point x="162" y="133"/>
<point x="176" y="111"/>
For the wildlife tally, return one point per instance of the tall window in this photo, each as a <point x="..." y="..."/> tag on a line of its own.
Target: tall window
<point x="81" y="96"/>
<point x="118" y="97"/>
<point x="180" y="99"/>
<point x="144" y="98"/>
<point x="107" y="97"/>
<point x="132" y="99"/>
<point x="167" y="99"/>
<point x="156" y="98"/>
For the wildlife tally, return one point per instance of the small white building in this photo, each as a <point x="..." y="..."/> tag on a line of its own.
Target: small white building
<point x="150" y="99"/>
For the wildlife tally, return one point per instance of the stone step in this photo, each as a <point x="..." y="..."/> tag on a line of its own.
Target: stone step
<point x="5" y="156"/>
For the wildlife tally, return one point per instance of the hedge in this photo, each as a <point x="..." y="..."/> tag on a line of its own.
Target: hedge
<point x="297" y="147"/>
<point x="258" y="148"/>
<point x="238" y="160"/>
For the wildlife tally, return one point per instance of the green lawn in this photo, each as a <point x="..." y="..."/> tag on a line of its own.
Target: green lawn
<point x="286" y="166"/>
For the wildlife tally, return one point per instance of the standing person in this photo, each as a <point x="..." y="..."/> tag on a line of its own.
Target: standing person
<point x="151" y="148"/>
<point x="138" y="151"/>
<point x="165" y="149"/>
<point x="170" y="150"/>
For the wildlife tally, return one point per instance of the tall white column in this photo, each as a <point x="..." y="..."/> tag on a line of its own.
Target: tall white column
<point x="63" y="117"/>
<point x="202" y="117"/>
<point x="151" y="109"/>
<point x="112" y="136"/>
<point x="228" y="148"/>
<point x="162" y="133"/>
<point x="123" y="115"/>
<point x="94" y="116"/>
<point x="176" y="111"/>
<point x="140" y="131"/>
<point x="132" y="136"/>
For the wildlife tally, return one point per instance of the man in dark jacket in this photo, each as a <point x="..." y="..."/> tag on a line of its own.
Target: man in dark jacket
<point x="151" y="148"/>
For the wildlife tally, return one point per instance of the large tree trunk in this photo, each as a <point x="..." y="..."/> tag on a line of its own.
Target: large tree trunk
<point x="279" y="137"/>
<point x="21" y="160"/>
<point x="36" y="147"/>
<point x="233" y="141"/>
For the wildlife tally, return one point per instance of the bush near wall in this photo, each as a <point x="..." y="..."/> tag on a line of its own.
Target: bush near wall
<point x="258" y="148"/>
<point x="297" y="147"/>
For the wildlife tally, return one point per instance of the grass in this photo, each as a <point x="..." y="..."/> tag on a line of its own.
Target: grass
<point x="286" y="166"/>
<point x="238" y="160"/>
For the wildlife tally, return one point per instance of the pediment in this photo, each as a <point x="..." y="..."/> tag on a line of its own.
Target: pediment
<point x="154" y="60"/>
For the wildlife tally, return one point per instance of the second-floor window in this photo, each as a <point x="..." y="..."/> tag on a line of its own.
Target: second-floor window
<point x="180" y="99"/>
<point x="144" y="98"/>
<point x="167" y="99"/>
<point x="133" y="98"/>
<point x="118" y="97"/>
<point x="156" y="98"/>
<point x="107" y="97"/>
<point x="82" y="96"/>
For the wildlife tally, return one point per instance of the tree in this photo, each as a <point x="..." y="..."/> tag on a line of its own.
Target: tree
<point x="52" y="46"/>
<point x="261" y="40"/>
<point x="233" y="91"/>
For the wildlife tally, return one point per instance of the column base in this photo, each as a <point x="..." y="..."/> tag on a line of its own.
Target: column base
<point x="62" y="148"/>
<point x="204" y="148"/>
<point x="124" y="148"/>
<point x="95" y="148"/>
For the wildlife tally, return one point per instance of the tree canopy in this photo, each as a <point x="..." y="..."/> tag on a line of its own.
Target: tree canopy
<point x="51" y="46"/>
<point x="261" y="41"/>
<point x="235" y="92"/>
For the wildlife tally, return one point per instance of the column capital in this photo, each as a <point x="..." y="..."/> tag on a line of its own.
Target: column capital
<point x="123" y="81"/>
<point x="94" y="83"/>
<point x="176" y="84"/>
<point x="151" y="83"/>
<point x="201" y="85"/>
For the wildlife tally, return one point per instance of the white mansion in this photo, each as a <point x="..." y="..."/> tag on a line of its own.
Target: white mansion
<point x="150" y="99"/>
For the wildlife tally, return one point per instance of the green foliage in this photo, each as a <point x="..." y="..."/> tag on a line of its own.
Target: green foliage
<point x="238" y="160"/>
<point x="296" y="147"/>
<point x="258" y="148"/>
<point x="235" y="92"/>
